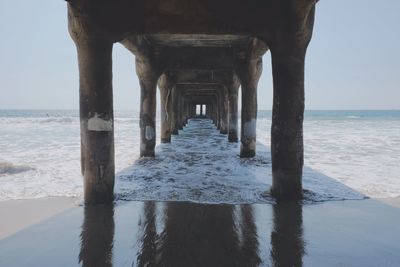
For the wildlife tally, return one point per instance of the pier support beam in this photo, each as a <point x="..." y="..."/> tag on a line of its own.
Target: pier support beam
<point x="148" y="77"/>
<point x="185" y="112"/>
<point x="249" y="75"/>
<point x="181" y="107"/>
<point x="219" y="108"/>
<point x="165" y="85"/>
<point x="208" y="110"/>
<point x="216" y="111"/>
<point x="224" y="111"/>
<point x="193" y="110"/>
<point x="175" y="111"/>
<point x="287" y="123"/>
<point x="233" y="112"/>
<point x="96" y="119"/>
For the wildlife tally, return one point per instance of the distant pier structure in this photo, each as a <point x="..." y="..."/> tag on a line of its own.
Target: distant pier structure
<point x="197" y="52"/>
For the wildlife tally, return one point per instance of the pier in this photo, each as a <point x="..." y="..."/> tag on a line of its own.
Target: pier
<point x="198" y="53"/>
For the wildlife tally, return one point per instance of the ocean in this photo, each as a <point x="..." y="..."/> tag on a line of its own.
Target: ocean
<point x="348" y="155"/>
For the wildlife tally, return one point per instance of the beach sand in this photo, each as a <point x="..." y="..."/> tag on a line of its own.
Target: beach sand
<point x="395" y="201"/>
<point x="19" y="214"/>
<point x="335" y="233"/>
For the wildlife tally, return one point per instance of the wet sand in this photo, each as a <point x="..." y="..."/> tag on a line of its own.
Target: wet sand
<point x="394" y="201"/>
<point x="19" y="214"/>
<point x="336" y="233"/>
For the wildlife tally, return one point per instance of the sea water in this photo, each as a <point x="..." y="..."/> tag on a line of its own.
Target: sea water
<point x="348" y="155"/>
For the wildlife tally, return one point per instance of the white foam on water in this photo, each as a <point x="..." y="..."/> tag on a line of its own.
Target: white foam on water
<point x="344" y="159"/>
<point x="201" y="166"/>
<point x="9" y="168"/>
<point x="361" y="154"/>
<point x="364" y="155"/>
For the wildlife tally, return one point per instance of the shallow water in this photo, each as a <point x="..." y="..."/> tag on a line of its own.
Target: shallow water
<point x="345" y="233"/>
<point x="345" y="152"/>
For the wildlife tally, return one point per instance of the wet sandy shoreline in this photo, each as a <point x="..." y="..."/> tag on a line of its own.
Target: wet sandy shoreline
<point x="346" y="233"/>
<point x="17" y="215"/>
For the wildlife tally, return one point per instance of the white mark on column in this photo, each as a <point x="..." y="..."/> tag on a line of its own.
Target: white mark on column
<point x="150" y="133"/>
<point x="97" y="124"/>
<point x="249" y="129"/>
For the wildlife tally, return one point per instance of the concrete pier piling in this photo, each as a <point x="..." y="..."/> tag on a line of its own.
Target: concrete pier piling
<point x="165" y="85"/>
<point x="233" y="112"/>
<point x="180" y="111"/>
<point x="224" y="111"/>
<point x="175" y="111"/>
<point x="96" y="119"/>
<point x="287" y="125"/>
<point x="198" y="54"/>
<point x="249" y="76"/>
<point x="148" y="91"/>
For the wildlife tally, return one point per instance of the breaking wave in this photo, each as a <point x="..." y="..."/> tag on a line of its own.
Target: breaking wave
<point x="344" y="159"/>
<point x="9" y="168"/>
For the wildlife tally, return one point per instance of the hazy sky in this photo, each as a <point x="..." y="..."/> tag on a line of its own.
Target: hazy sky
<point x="353" y="61"/>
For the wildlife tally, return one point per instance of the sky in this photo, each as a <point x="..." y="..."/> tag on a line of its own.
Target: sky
<point x="353" y="61"/>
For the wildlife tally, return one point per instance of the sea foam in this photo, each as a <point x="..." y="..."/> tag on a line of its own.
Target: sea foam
<point x="345" y="158"/>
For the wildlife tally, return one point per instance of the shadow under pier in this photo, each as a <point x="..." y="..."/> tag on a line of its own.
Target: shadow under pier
<point x="200" y="165"/>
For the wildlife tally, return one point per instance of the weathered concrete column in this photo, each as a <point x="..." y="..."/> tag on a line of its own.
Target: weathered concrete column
<point x="208" y="110"/>
<point x="180" y="110"/>
<point x="96" y="119"/>
<point x="287" y="123"/>
<point x="219" y="107"/>
<point x="215" y="110"/>
<point x="288" y="50"/>
<point x="224" y="111"/>
<point x="249" y="76"/>
<point x="186" y="112"/>
<point x="233" y="116"/>
<point x="175" y="111"/>
<point x="165" y="85"/>
<point x="233" y="112"/>
<point x="193" y="110"/>
<point x="148" y="77"/>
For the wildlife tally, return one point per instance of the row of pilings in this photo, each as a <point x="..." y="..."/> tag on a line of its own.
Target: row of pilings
<point x="196" y="53"/>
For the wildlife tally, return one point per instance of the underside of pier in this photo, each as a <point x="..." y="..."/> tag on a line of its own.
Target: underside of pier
<point x="198" y="53"/>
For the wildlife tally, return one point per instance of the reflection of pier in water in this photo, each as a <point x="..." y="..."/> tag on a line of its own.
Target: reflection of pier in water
<point x="97" y="236"/>
<point x="333" y="233"/>
<point x="189" y="234"/>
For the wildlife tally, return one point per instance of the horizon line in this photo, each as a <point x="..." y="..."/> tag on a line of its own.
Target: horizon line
<point x="136" y="110"/>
